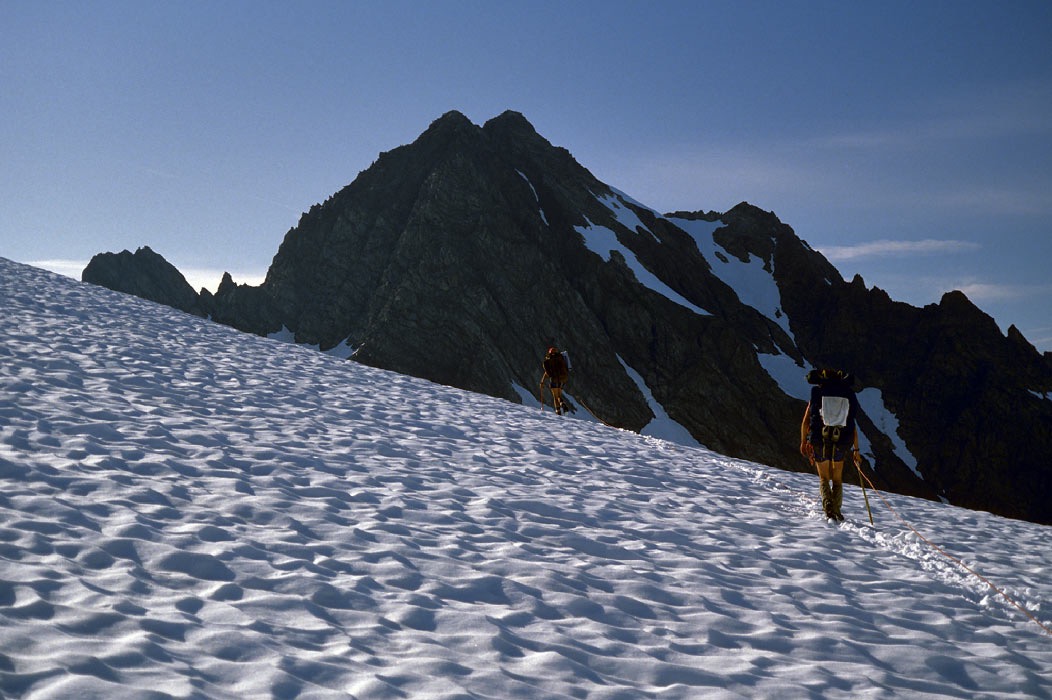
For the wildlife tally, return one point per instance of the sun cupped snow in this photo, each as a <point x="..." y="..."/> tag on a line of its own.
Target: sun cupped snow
<point x="191" y="512"/>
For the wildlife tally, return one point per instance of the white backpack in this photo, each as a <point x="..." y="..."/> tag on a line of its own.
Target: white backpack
<point x="834" y="411"/>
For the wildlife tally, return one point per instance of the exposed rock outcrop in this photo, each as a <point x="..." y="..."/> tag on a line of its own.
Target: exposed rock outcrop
<point x="145" y="274"/>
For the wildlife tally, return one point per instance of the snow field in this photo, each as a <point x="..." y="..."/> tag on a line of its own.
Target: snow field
<point x="186" y="511"/>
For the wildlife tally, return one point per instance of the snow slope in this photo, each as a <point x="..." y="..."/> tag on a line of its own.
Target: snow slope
<point x="186" y="511"/>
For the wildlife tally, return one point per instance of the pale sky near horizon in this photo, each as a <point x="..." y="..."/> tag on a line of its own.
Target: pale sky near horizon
<point x="911" y="142"/>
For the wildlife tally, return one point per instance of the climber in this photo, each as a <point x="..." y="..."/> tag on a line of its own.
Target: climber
<point x="556" y="367"/>
<point x="828" y="431"/>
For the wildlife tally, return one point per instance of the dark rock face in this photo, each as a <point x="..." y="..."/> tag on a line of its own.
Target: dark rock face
<point x="456" y="258"/>
<point x="145" y="274"/>
<point x="967" y="398"/>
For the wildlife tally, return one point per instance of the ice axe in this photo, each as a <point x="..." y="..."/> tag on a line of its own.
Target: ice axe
<point x="862" y="483"/>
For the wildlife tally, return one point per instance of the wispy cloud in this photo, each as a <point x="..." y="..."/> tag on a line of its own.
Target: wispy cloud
<point x="1008" y="110"/>
<point x="69" y="268"/>
<point x="988" y="292"/>
<point x="1033" y="198"/>
<point x="887" y="248"/>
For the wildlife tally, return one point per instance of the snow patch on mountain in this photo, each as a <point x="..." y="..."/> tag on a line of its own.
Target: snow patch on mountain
<point x="625" y="216"/>
<point x="872" y="403"/>
<point x="540" y="209"/>
<point x="790" y="377"/>
<point x="662" y="425"/>
<point x="603" y="241"/>
<point x="755" y="286"/>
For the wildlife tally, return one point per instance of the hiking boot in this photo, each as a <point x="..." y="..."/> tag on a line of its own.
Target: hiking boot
<point x="827" y="498"/>
<point x="838" y="500"/>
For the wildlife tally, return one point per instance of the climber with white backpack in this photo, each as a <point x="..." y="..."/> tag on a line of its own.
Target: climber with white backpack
<point x="828" y="433"/>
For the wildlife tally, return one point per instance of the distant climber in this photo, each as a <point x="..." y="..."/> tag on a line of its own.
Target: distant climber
<point x="556" y="367"/>
<point x="828" y="432"/>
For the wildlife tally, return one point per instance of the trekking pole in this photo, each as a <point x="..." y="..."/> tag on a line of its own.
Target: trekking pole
<point x="861" y="482"/>
<point x="540" y="392"/>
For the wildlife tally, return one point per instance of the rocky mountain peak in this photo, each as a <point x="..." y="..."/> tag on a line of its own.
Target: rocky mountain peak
<point x="510" y="122"/>
<point x="459" y="256"/>
<point x="451" y="121"/>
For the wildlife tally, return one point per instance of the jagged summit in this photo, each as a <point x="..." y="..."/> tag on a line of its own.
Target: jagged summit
<point x="510" y="122"/>
<point x="507" y="122"/>
<point x="453" y="117"/>
<point x="452" y="122"/>
<point x="459" y="256"/>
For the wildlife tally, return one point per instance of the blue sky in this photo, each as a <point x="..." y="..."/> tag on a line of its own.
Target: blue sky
<point x="910" y="141"/>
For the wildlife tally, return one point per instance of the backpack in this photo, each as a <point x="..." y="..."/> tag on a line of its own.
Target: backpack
<point x="557" y="365"/>
<point x="824" y="376"/>
<point x="834" y="412"/>
<point x="834" y="409"/>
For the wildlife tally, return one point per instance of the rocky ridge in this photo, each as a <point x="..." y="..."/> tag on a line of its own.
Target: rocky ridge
<point x="146" y="274"/>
